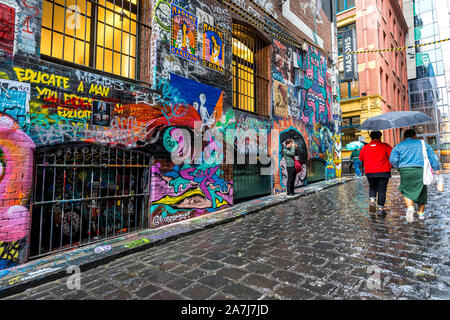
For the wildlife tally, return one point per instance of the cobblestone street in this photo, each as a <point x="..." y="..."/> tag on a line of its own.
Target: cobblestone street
<point x="314" y="247"/>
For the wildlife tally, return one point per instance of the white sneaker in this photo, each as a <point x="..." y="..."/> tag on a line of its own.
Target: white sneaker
<point x="410" y="214"/>
<point x="373" y="205"/>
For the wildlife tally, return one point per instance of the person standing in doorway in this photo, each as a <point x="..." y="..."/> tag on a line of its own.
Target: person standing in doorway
<point x="289" y="151"/>
<point x="354" y="157"/>
<point x="375" y="158"/>
<point x="407" y="156"/>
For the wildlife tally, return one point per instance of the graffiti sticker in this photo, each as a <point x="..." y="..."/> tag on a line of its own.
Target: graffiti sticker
<point x="7" y="18"/>
<point x="212" y="47"/>
<point x="101" y="113"/>
<point x="280" y="99"/>
<point x="183" y="34"/>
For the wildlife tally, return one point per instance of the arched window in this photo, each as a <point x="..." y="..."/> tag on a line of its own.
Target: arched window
<point x="250" y="71"/>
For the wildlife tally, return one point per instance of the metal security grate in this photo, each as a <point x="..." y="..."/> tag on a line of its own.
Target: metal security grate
<point x="87" y="193"/>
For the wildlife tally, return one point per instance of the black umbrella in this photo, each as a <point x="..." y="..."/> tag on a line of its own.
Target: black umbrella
<point x="395" y="119"/>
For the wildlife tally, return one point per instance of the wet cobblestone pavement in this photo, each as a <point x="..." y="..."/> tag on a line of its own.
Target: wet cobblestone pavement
<point x="326" y="245"/>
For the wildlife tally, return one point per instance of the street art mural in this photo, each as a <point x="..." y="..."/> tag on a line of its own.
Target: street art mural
<point x="14" y="99"/>
<point x="282" y="63"/>
<point x="307" y="116"/>
<point x="183" y="34"/>
<point x="213" y="54"/>
<point x="21" y="26"/>
<point x="280" y="99"/>
<point x="16" y="171"/>
<point x="47" y="108"/>
<point x="188" y="190"/>
<point x="7" y="22"/>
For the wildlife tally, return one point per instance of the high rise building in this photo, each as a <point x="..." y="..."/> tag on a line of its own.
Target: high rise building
<point x="380" y="83"/>
<point x="428" y="71"/>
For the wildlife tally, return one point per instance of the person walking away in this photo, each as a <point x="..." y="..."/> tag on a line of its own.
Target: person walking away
<point x="407" y="156"/>
<point x="375" y="158"/>
<point x="354" y="157"/>
<point x="289" y="151"/>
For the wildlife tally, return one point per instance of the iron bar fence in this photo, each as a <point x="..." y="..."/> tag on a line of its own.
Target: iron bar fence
<point x="87" y="193"/>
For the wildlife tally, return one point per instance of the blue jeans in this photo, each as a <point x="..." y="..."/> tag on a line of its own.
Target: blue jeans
<point x="357" y="166"/>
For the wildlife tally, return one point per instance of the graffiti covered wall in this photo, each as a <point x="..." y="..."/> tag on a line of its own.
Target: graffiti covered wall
<point x="301" y="79"/>
<point x="49" y="106"/>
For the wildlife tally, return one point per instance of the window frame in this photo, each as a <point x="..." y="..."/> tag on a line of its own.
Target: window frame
<point x="93" y="43"/>
<point x="346" y="7"/>
<point x="256" y="67"/>
<point x="340" y="31"/>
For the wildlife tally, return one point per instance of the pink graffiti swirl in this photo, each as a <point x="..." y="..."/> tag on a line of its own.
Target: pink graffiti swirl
<point x="16" y="184"/>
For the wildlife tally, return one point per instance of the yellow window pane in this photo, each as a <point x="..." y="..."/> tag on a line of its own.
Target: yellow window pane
<point x="46" y="42"/>
<point x="47" y="12"/>
<point x="133" y="27"/>
<point x="127" y="66"/>
<point x="57" y="45"/>
<point x="132" y="72"/>
<point x="81" y="53"/>
<point x="106" y="57"/>
<point x="102" y="40"/>
<point x="58" y="17"/>
<point x="116" y="64"/>
<point x="118" y="39"/>
<point x="132" y="45"/>
<point x="101" y="14"/>
<point x="76" y="26"/>
<point x="69" y="49"/>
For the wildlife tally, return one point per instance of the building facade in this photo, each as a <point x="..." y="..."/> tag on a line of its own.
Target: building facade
<point x="381" y="84"/>
<point x="103" y="104"/>
<point x="429" y="71"/>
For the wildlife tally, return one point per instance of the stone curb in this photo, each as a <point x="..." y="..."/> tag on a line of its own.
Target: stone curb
<point x="31" y="274"/>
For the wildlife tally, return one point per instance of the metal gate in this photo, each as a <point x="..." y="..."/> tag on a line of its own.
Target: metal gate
<point x="248" y="182"/>
<point x="86" y="193"/>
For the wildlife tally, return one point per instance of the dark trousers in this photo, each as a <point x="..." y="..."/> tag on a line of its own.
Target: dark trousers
<point x="291" y="180"/>
<point x="378" y="185"/>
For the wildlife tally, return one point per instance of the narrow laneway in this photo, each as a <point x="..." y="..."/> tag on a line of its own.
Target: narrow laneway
<point x="323" y="246"/>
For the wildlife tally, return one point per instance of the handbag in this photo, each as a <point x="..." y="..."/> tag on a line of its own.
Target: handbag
<point x="298" y="166"/>
<point x="428" y="174"/>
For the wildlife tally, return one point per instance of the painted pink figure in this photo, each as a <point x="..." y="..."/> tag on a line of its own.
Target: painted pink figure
<point x="15" y="186"/>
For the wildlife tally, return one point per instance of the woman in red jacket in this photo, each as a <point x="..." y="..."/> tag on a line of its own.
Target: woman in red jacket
<point x="375" y="157"/>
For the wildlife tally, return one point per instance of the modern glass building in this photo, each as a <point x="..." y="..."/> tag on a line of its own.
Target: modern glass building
<point x="429" y="71"/>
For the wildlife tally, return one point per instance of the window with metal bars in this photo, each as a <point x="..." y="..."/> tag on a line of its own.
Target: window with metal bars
<point x="87" y="193"/>
<point x="100" y="34"/>
<point x="250" y="69"/>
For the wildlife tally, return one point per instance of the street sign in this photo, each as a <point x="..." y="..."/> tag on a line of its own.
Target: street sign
<point x="350" y="60"/>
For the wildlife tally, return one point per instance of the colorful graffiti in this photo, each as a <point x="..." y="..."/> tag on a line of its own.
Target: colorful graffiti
<point x="280" y="99"/>
<point x="316" y="97"/>
<point x="183" y="34"/>
<point x="306" y="111"/>
<point x="7" y="23"/>
<point x="16" y="171"/>
<point x="52" y="107"/>
<point x="193" y="190"/>
<point x="283" y="63"/>
<point x="213" y="55"/>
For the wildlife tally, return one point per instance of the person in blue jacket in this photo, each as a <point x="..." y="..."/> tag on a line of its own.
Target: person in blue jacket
<point x="407" y="157"/>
